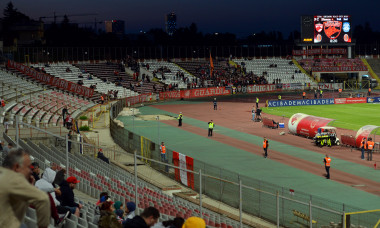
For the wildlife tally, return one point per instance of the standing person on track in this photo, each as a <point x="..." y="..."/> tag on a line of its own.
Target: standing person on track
<point x="340" y="92"/>
<point x="253" y="113"/>
<point x="363" y="147"/>
<point x="369" y="91"/>
<point x="370" y="146"/>
<point x="279" y="97"/>
<point x="303" y="95"/>
<point x="180" y="119"/>
<point x="315" y="94"/>
<point x="215" y="104"/>
<point x="210" y="128"/>
<point x="257" y="102"/>
<point x="327" y="161"/>
<point x="320" y="93"/>
<point x="163" y="152"/>
<point x="265" y="147"/>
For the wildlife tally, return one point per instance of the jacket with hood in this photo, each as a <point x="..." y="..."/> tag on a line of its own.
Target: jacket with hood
<point x="46" y="184"/>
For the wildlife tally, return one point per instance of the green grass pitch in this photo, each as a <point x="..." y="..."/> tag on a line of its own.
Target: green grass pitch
<point x="347" y="116"/>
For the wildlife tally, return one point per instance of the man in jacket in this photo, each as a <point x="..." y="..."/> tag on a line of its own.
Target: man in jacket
<point x="17" y="192"/>
<point x="148" y="218"/>
<point x="265" y="147"/>
<point x="180" y="119"/>
<point x="67" y="195"/>
<point x="327" y="161"/>
<point x="210" y="127"/>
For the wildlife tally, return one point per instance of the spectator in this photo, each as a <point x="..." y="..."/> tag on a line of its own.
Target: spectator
<point x="175" y="223"/>
<point x="67" y="196"/>
<point x="107" y="216"/>
<point x="35" y="167"/>
<point x="59" y="177"/>
<point x="7" y="149"/>
<point x="6" y="126"/>
<point x="1" y="146"/>
<point x="17" y="192"/>
<point x="130" y="210"/>
<point x="102" y="157"/>
<point x="194" y="222"/>
<point x="103" y="198"/>
<point x="148" y="218"/>
<point x="65" y="113"/>
<point x="46" y="184"/>
<point x="119" y="209"/>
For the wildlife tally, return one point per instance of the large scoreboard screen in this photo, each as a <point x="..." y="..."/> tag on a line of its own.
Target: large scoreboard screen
<point x="326" y="29"/>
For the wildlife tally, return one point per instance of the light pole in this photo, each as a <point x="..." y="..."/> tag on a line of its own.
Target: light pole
<point x="158" y="128"/>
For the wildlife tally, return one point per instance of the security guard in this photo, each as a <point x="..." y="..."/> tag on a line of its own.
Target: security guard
<point x="163" y="152"/>
<point x="215" y="104"/>
<point x="102" y="99"/>
<point x="180" y="119"/>
<point x="363" y="147"/>
<point x="327" y="161"/>
<point x="340" y="92"/>
<point x="321" y="93"/>
<point x="265" y="147"/>
<point x="369" y="91"/>
<point x="279" y="97"/>
<point x="257" y="102"/>
<point x="303" y="95"/>
<point x="210" y="127"/>
<point x="370" y="146"/>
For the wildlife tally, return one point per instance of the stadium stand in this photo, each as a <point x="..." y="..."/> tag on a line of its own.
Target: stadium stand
<point x="74" y="74"/>
<point x="97" y="176"/>
<point x="308" y="64"/>
<point x="106" y="72"/>
<point x="275" y="69"/>
<point x="35" y="104"/>
<point x="168" y="73"/>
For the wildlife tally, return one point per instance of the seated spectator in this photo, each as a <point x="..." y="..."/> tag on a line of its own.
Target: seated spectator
<point x="103" y="198"/>
<point x="194" y="222"/>
<point x="59" y="177"/>
<point x="7" y="149"/>
<point x="148" y="218"/>
<point x="130" y="210"/>
<point x="102" y="157"/>
<point x="68" y="70"/>
<point x="17" y="192"/>
<point x="119" y="211"/>
<point x="35" y="167"/>
<point x="80" y="76"/>
<point x="46" y="184"/>
<point x="67" y="196"/>
<point x="108" y="217"/>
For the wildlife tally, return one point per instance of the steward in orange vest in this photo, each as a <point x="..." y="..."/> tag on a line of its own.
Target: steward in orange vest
<point x="370" y="147"/>
<point x="163" y="151"/>
<point x="363" y="147"/>
<point x="265" y="147"/>
<point x="327" y="162"/>
<point x="303" y="95"/>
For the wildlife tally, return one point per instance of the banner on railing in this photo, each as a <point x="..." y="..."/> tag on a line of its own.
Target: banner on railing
<point x="283" y="103"/>
<point x="51" y="80"/>
<point x="262" y="88"/>
<point x="184" y="162"/>
<point x="194" y="93"/>
<point x="330" y="86"/>
<point x="338" y="68"/>
<point x="350" y="100"/>
<point x="320" y="51"/>
<point x="142" y="98"/>
<point x="373" y="100"/>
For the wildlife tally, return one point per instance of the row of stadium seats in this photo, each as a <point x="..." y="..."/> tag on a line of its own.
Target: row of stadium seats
<point x="97" y="176"/>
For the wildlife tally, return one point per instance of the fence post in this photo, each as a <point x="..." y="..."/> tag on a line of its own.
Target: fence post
<point x="278" y="209"/>
<point x="136" y="196"/>
<point x="241" y="204"/>
<point x="200" y="192"/>
<point x="344" y="220"/>
<point x="17" y="132"/>
<point x="67" y="154"/>
<point x="310" y="216"/>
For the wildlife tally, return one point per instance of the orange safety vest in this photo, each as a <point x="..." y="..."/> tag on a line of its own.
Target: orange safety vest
<point x="369" y="90"/>
<point x="364" y="145"/>
<point x="265" y="144"/>
<point x="370" y="145"/>
<point x="328" y="160"/>
<point x="340" y="90"/>
<point x="303" y="94"/>
<point x="102" y="98"/>
<point x="2" y="103"/>
<point x="163" y="150"/>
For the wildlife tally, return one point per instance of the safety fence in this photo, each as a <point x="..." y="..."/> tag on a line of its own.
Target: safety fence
<point x="279" y="205"/>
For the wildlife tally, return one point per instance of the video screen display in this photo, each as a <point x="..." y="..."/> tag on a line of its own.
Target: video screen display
<point x="332" y="29"/>
<point x="326" y="29"/>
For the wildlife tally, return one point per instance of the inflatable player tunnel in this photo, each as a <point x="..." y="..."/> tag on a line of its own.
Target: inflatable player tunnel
<point x="306" y="125"/>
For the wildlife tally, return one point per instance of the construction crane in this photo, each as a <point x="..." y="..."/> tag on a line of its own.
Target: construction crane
<point x="70" y="15"/>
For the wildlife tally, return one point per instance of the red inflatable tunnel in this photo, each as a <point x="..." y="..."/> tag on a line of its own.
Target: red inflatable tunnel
<point x="307" y="125"/>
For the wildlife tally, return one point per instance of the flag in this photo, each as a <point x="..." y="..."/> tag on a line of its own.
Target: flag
<point x="184" y="162"/>
<point x="211" y="65"/>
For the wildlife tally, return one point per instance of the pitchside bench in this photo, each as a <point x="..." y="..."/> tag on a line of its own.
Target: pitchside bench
<point x="269" y="123"/>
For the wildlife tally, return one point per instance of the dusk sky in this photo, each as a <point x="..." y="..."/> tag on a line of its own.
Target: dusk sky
<point x="242" y="17"/>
